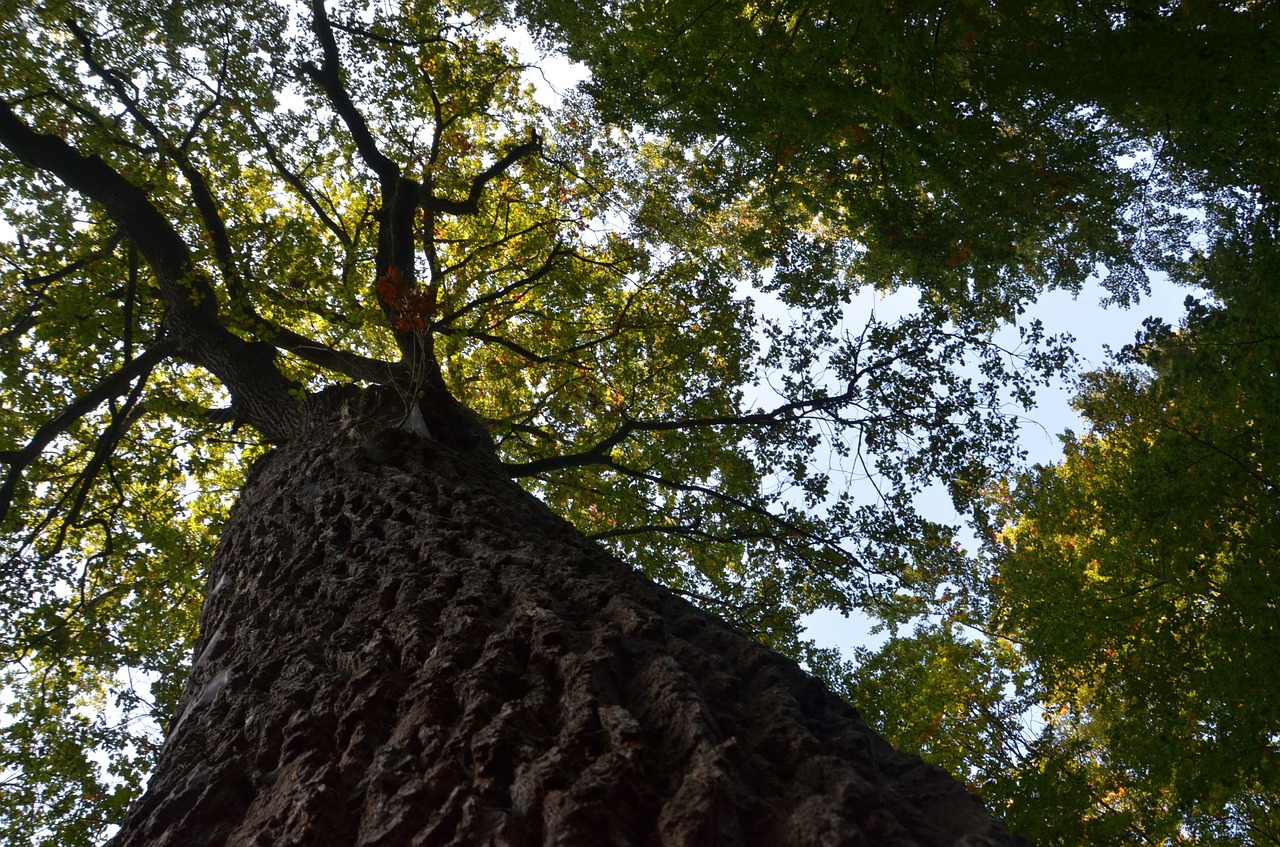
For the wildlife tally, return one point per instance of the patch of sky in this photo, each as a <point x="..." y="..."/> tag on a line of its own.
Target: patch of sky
<point x="1097" y="332"/>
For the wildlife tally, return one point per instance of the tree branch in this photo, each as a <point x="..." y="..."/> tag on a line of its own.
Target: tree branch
<point x="112" y="386"/>
<point x="492" y="296"/>
<point x="780" y="416"/>
<point x="399" y="195"/>
<point x="381" y="38"/>
<point x="329" y="77"/>
<point x="1251" y="471"/>
<point x="791" y="528"/>
<point x="357" y="367"/>
<point x="103" y="449"/>
<point x="304" y="191"/>
<point x="201" y="194"/>
<point x="263" y="394"/>
<point x="471" y="205"/>
<point x="340" y="361"/>
<point x="490" y="338"/>
<point x="685" y="530"/>
<point x="476" y="254"/>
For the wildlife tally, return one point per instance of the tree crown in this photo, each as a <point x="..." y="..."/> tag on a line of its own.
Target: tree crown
<point x="212" y="213"/>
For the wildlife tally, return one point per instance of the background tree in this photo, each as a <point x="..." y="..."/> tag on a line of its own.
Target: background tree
<point x="1138" y="574"/>
<point x="1125" y="593"/>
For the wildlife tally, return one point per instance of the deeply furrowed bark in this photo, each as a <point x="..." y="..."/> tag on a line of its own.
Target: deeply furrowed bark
<point x="399" y="646"/>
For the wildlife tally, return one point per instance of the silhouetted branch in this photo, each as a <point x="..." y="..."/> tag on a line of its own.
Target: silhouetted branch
<point x="791" y="528"/>
<point x="686" y="530"/>
<point x="498" y="294"/>
<point x="304" y="191"/>
<point x="490" y="338"/>
<point x="329" y="77"/>
<point x="112" y="386"/>
<point x="782" y="415"/>
<point x="471" y="204"/>
<point x="382" y="38"/>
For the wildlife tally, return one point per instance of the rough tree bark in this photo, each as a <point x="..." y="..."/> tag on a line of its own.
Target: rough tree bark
<point x="400" y="646"/>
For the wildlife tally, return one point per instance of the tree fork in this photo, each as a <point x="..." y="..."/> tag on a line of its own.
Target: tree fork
<point x="263" y="396"/>
<point x="398" y="645"/>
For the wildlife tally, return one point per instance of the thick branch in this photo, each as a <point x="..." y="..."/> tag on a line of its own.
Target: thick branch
<point x="124" y="202"/>
<point x="358" y="367"/>
<point x="329" y="77"/>
<point x="262" y="393"/>
<point x="340" y="361"/>
<point x="399" y="195"/>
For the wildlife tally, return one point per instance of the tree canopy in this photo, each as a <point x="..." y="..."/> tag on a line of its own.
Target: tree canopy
<point x="1129" y="590"/>
<point x="646" y="295"/>
<point x="1139" y="573"/>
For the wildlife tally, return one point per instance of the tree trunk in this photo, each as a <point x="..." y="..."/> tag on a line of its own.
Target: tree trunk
<point x="399" y="646"/>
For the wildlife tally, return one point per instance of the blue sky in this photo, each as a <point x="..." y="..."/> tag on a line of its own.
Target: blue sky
<point x="1096" y="329"/>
